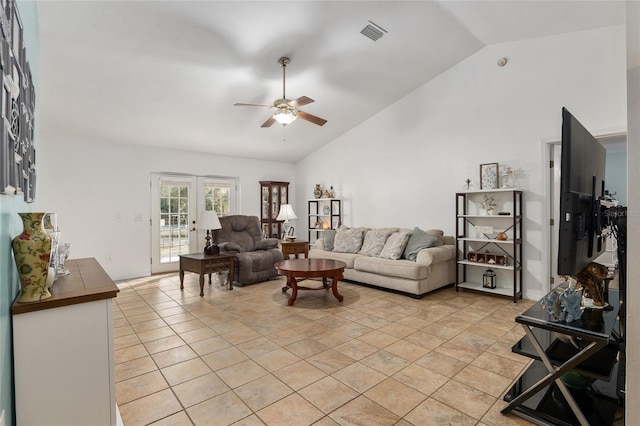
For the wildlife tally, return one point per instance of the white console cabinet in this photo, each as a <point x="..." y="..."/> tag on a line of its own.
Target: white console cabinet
<point x="63" y="351"/>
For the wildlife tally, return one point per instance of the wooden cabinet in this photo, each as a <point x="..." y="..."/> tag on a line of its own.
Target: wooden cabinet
<point x="324" y="213"/>
<point x="272" y="195"/>
<point x="63" y="351"/>
<point x="490" y="240"/>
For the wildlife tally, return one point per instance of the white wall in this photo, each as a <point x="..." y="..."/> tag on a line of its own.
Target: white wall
<point x="403" y="166"/>
<point x="89" y="183"/>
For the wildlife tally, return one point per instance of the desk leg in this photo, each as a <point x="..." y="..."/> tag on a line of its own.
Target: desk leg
<point x="554" y="375"/>
<point x="231" y="273"/>
<point x="201" y="285"/>
<point x="209" y="279"/>
<point x="181" y="279"/>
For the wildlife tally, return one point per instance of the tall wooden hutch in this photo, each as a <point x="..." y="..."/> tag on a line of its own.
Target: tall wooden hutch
<point x="272" y="195"/>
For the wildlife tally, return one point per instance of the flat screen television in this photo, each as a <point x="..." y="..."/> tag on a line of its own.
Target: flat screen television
<point x="582" y="173"/>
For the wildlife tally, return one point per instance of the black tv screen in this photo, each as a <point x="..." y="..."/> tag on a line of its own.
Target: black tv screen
<point x="582" y="172"/>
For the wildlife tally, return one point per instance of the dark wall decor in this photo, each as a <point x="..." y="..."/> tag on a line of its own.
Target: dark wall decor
<point x="17" y="106"/>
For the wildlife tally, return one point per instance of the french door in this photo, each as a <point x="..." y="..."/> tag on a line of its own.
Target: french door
<point x="176" y="202"/>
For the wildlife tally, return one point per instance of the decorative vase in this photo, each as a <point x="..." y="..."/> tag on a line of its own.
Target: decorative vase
<point x="317" y="191"/>
<point x="32" y="251"/>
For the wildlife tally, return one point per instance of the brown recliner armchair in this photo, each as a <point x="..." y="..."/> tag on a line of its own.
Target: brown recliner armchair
<point x="255" y="257"/>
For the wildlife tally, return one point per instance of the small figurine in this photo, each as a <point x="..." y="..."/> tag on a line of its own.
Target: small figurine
<point x="551" y="304"/>
<point x="317" y="191"/>
<point x="591" y="278"/>
<point x="571" y="301"/>
<point x="468" y="182"/>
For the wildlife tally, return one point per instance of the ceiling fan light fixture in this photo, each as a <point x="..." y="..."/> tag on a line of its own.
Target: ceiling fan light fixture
<point x="285" y="117"/>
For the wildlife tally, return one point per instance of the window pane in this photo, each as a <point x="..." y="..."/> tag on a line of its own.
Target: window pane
<point x="184" y="205"/>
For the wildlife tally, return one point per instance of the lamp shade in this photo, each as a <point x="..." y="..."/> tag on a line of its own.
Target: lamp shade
<point x="286" y="213"/>
<point x="208" y="220"/>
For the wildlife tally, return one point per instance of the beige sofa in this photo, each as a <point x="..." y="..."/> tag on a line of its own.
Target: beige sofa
<point x="433" y="268"/>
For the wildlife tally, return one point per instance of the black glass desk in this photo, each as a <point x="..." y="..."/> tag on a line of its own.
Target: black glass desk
<point x="584" y="346"/>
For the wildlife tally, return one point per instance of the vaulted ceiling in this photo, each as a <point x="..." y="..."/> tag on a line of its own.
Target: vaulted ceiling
<point x="167" y="73"/>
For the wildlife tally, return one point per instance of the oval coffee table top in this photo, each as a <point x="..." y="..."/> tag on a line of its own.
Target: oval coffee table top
<point x="310" y="265"/>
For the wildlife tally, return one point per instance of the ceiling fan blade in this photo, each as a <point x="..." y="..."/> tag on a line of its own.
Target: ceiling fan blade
<point x="302" y="100"/>
<point x="312" y="118"/>
<point x="256" y="105"/>
<point x="269" y="122"/>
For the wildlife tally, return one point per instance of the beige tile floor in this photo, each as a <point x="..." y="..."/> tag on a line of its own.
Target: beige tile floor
<point x="244" y="357"/>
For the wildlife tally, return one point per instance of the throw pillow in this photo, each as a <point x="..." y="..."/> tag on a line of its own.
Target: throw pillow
<point x="348" y="240"/>
<point x="374" y="241"/>
<point x="328" y="237"/>
<point x="439" y="237"/>
<point x="266" y="244"/>
<point x="417" y="241"/>
<point x="394" y="247"/>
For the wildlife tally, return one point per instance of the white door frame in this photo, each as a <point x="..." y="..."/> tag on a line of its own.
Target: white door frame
<point x="156" y="265"/>
<point x="197" y="185"/>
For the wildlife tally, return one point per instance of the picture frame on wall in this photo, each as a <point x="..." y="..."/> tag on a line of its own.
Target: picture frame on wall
<point x="489" y="176"/>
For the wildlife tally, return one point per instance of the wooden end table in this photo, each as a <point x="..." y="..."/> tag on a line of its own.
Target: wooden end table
<point x="311" y="268"/>
<point x="295" y="247"/>
<point x="201" y="263"/>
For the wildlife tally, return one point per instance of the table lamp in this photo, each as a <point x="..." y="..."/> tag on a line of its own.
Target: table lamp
<point x="209" y="220"/>
<point x="286" y="213"/>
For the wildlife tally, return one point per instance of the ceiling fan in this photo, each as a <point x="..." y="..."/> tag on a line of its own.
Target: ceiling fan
<point x="286" y="109"/>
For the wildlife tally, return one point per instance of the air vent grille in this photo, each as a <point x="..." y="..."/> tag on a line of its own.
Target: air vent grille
<point x="373" y="31"/>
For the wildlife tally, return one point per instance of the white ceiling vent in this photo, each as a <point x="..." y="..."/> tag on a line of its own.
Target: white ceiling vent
<point x="373" y="31"/>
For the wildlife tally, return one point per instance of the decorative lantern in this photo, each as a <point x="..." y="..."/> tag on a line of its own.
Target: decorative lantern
<point x="489" y="279"/>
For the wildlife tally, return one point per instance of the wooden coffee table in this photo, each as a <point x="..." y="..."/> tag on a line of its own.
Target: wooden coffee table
<point x="201" y="264"/>
<point x="311" y="268"/>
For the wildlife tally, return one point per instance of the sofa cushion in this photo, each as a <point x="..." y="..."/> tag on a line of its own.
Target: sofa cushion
<point x="418" y="240"/>
<point x="391" y="268"/>
<point x="394" y="247"/>
<point x="348" y="240"/>
<point x="374" y="241"/>
<point x="328" y="237"/>
<point x="348" y="258"/>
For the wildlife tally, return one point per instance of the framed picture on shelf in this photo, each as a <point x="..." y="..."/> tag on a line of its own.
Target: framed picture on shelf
<point x="335" y="223"/>
<point x="489" y="176"/>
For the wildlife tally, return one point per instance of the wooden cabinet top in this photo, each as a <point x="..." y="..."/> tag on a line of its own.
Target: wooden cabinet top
<point x="87" y="282"/>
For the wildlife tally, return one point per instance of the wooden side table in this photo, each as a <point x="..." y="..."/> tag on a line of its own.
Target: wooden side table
<point x="295" y="247"/>
<point x="201" y="263"/>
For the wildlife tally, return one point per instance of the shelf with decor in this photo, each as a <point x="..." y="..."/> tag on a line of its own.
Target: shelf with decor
<point x="272" y="195"/>
<point x="323" y="214"/>
<point x="489" y="240"/>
